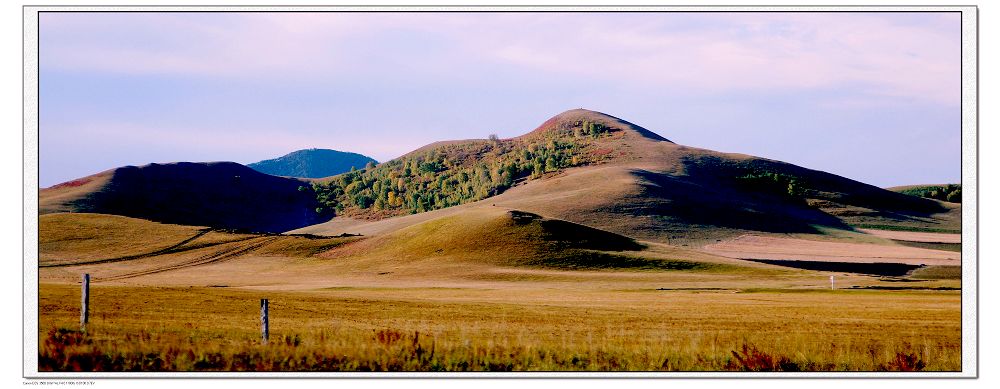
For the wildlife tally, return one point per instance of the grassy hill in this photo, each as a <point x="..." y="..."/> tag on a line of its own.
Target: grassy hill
<point x="484" y="242"/>
<point x="217" y="194"/>
<point x="563" y="249"/>
<point x="951" y="193"/>
<point x="445" y="174"/>
<point x="87" y="239"/>
<point x="581" y="166"/>
<point x="512" y="238"/>
<point x="312" y="163"/>
<point x="598" y="170"/>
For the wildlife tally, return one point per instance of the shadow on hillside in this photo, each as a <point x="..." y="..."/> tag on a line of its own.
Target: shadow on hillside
<point x="708" y="202"/>
<point x="877" y="269"/>
<point x="817" y="184"/>
<point x="572" y="235"/>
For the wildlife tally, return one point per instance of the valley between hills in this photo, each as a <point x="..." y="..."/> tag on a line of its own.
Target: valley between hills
<point x="589" y="243"/>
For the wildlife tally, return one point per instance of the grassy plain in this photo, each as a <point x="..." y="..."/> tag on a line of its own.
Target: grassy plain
<point x="468" y="298"/>
<point x="483" y="329"/>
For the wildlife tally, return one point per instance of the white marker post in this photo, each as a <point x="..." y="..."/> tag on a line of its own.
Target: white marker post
<point x="85" y="302"/>
<point x="263" y="321"/>
<point x="831" y="283"/>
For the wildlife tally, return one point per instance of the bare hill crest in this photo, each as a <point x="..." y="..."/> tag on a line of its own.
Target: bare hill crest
<point x="567" y="122"/>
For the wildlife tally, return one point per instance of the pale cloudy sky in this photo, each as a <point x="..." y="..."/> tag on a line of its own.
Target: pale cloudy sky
<point x="870" y="96"/>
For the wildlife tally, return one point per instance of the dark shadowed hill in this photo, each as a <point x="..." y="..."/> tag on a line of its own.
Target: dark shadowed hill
<point x="312" y="163"/>
<point x="218" y="194"/>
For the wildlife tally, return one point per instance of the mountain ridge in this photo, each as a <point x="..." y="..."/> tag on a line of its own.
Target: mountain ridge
<point x="596" y="170"/>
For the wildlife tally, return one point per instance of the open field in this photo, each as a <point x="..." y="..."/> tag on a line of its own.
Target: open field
<point x="361" y="306"/>
<point x="430" y="297"/>
<point x="495" y="328"/>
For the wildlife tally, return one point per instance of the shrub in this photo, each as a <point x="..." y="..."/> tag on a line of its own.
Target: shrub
<point x="749" y="358"/>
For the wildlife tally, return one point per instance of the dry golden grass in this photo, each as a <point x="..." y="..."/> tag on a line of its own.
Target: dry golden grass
<point x="57" y="198"/>
<point x="475" y="305"/>
<point x="83" y="237"/>
<point x="938" y="273"/>
<point x="426" y="329"/>
<point x="503" y="237"/>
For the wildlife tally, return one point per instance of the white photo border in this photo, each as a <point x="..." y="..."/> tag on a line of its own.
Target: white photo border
<point x="970" y="175"/>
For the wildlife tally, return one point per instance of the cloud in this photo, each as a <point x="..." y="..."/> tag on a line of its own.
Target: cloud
<point x="754" y="51"/>
<point x="886" y="54"/>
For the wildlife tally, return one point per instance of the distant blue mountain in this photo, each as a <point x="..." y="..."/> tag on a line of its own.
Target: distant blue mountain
<point x="312" y="163"/>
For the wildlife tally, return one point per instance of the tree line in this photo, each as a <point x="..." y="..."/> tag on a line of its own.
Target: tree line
<point x="951" y="193"/>
<point x="455" y="174"/>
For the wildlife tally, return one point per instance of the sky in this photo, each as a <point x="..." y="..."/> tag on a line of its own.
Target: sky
<point x="870" y="96"/>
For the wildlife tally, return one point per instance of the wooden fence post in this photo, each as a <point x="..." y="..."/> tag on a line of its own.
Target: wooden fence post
<point x="263" y="320"/>
<point x="831" y="283"/>
<point x="84" y="302"/>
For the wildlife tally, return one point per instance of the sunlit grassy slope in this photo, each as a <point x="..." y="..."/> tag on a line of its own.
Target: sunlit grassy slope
<point x="118" y="247"/>
<point x="504" y="237"/>
<point x="84" y="236"/>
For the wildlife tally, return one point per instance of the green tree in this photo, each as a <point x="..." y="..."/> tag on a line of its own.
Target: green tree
<point x="955" y="196"/>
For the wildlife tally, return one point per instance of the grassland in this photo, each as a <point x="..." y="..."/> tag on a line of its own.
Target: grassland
<point x="472" y="329"/>
<point x="493" y="290"/>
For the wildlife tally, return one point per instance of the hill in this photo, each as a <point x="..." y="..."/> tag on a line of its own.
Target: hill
<point x="312" y="163"/>
<point x="951" y="193"/>
<point x="581" y="166"/>
<point x="511" y="238"/>
<point x="449" y="173"/>
<point x="217" y="194"/>
<point x="114" y="247"/>
<point x="594" y="169"/>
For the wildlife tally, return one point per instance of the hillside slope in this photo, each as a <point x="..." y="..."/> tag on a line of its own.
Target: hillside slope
<point x="951" y="193"/>
<point x="580" y="166"/>
<point x="598" y="170"/>
<point x="217" y="194"/>
<point x="511" y="238"/>
<point x="312" y="163"/>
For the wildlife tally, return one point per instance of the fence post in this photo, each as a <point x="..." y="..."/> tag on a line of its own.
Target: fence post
<point x="84" y="302"/>
<point x="831" y="283"/>
<point x="263" y="320"/>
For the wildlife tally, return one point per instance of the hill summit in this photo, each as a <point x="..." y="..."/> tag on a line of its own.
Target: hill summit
<point x="597" y="170"/>
<point x="312" y="163"/>
<point x="580" y="119"/>
<point x="444" y="174"/>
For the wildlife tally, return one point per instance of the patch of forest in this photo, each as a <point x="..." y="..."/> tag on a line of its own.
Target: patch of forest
<point x="460" y="173"/>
